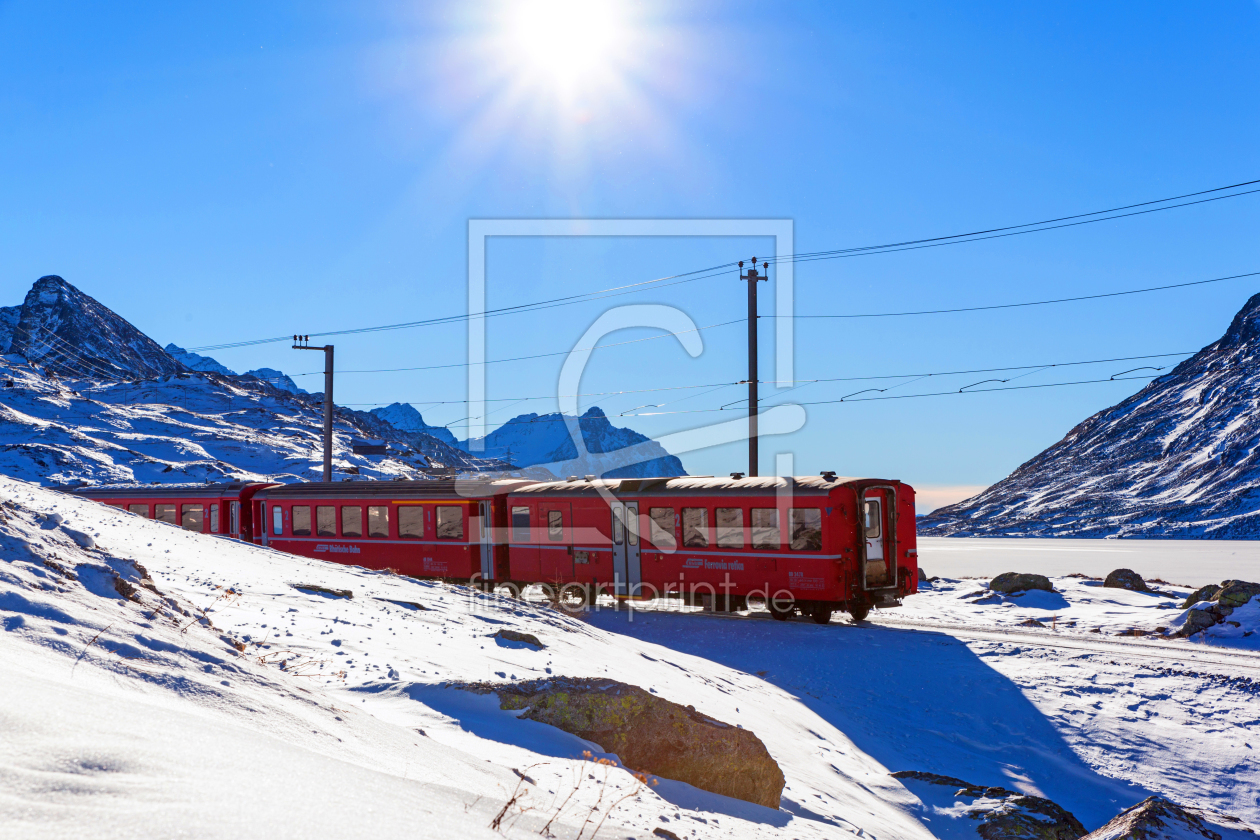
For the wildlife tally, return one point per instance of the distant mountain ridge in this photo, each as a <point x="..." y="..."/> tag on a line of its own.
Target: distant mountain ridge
<point x="1181" y="458"/>
<point x="70" y="354"/>
<point x="548" y="440"/>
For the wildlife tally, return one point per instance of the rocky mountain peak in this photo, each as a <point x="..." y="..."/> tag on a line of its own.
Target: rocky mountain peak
<point x="71" y="333"/>
<point x="1180" y="458"/>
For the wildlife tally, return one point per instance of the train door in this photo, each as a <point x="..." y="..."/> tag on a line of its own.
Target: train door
<point x="486" y="534"/>
<point x="627" y="572"/>
<point x="877" y="514"/>
<point x="234" y="520"/>
<point x="265" y="541"/>
<point x="555" y="548"/>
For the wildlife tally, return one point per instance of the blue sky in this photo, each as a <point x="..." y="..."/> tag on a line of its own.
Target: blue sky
<point x="231" y="171"/>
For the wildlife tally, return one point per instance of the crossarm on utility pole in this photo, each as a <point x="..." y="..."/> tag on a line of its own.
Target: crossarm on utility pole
<point x="328" y="399"/>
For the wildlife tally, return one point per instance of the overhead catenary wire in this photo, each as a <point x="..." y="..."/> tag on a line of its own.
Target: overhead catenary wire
<point x="1073" y="220"/>
<point x="800" y="382"/>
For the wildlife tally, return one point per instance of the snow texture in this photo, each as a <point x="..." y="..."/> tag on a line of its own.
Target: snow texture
<point x="1181" y="458"/>
<point x="185" y="684"/>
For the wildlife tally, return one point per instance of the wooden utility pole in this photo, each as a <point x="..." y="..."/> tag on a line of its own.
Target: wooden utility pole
<point x="300" y="342"/>
<point x="752" y="278"/>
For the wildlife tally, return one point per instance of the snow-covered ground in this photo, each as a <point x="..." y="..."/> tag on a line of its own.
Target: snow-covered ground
<point x="1190" y="562"/>
<point x="226" y="701"/>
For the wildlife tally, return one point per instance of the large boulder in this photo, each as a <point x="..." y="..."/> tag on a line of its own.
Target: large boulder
<point x="999" y="814"/>
<point x="1012" y="582"/>
<point x="1126" y="579"/>
<point x="1236" y="593"/>
<point x="1155" y="817"/>
<point x="1206" y="593"/>
<point x="652" y="735"/>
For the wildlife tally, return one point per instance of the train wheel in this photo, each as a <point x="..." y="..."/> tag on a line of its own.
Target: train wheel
<point x="859" y="610"/>
<point x="821" y="613"/>
<point x="776" y="612"/>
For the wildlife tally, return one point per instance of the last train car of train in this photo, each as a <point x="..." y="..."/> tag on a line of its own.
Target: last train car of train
<point x="223" y="509"/>
<point x="815" y="545"/>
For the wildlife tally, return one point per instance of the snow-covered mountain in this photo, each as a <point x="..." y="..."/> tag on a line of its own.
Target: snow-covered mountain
<point x="69" y="333"/>
<point x="1181" y="458"/>
<point x="548" y="440"/>
<point x="205" y="364"/>
<point x="91" y="398"/>
<point x="405" y="418"/>
<point x="191" y="427"/>
<point x="195" y="361"/>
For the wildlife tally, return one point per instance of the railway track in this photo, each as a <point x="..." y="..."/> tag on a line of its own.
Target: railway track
<point x="1184" y="654"/>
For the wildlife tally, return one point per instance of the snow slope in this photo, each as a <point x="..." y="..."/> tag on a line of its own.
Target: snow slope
<point x="224" y="701"/>
<point x="1181" y="458"/>
<point x="405" y="418"/>
<point x="549" y="440"/>
<point x="1094" y="729"/>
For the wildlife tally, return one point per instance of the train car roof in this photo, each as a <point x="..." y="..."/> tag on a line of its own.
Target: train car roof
<point x="155" y="491"/>
<point x="463" y="488"/>
<point x="807" y="485"/>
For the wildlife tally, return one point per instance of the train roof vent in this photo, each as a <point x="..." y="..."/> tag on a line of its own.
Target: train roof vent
<point x="572" y="478"/>
<point x="737" y="475"/>
<point x="589" y="478"/>
<point x="828" y="475"/>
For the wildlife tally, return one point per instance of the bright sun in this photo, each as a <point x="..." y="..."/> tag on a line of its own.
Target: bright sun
<point x="568" y="39"/>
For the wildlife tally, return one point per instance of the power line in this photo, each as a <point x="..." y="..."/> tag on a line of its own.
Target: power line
<point x="691" y="276"/>
<point x="801" y="382"/>
<point x="1028" y="303"/>
<point x="537" y="356"/>
<point x="916" y="396"/>
<point x="1015" y="230"/>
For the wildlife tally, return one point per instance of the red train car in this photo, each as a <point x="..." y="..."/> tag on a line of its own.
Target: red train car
<point x="436" y="529"/>
<point x="224" y="509"/>
<point x="817" y="544"/>
<point x="813" y="544"/>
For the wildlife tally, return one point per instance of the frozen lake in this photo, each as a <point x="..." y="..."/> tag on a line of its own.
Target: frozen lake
<point x="1190" y="562"/>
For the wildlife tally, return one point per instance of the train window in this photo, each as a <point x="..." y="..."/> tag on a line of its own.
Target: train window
<point x="411" y="521"/>
<point x="166" y="513"/>
<point x="301" y="520"/>
<point x="695" y="527"/>
<point x="555" y="525"/>
<point x="872" y="519"/>
<point x="806" y="529"/>
<point x="325" y="521"/>
<point x="765" y="528"/>
<point x="378" y="521"/>
<point x="192" y="517"/>
<point x="730" y="527"/>
<point x="214" y="519"/>
<point x="277" y="520"/>
<point x="619" y="527"/>
<point x="450" y="522"/>
<point x="662" y="527"/>
<point x="234" y="517"/>
<point x="139" y="510"/>
<point x="520" y="524"/>
<point x="632" y="525"/>
<point x="352" y="521"/>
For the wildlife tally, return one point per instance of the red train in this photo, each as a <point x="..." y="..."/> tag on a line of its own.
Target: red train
<point x="813" y="544"/>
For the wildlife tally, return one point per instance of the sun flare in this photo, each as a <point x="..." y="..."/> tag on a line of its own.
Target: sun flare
<point x="569" y="40"/>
